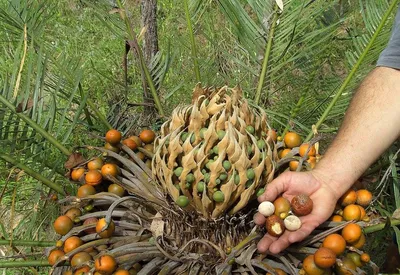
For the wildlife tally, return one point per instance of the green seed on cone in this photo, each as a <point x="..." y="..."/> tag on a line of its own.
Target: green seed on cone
<point x="184" y="136"/>
<point x="202" y="131"/>
<point x="223" y="176"/>
<point x="261" y="144"/>
<point x="192" y="138"/>
<point x="250" y="174"/>
<point x="178" y="171"/>
<point x="215" y="150"/>
<point x="237" y="179"/>
<point x="190" y="178"/>
<point x="227" y="165"/>
<point x="218" y="196"/>
<point x="249" y="149"/>
<point x="200" y="186"/>
<point x="250" y="129"/>
<point x="182" y="201"/>
<point x="220" y="134"/>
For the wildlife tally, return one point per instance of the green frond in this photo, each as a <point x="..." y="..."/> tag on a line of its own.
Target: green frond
<point x="362" y="57"/>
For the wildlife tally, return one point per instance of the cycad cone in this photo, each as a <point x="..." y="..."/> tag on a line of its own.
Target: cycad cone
<point x="219" y="126"/>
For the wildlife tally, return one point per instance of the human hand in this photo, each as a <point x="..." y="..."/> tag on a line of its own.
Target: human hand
<point x="290" y="184"/>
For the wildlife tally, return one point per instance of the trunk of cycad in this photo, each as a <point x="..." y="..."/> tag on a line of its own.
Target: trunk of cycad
<point x="150" y="45"/>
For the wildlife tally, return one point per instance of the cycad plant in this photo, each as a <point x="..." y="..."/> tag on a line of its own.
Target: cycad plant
<point x="280" y="56"/>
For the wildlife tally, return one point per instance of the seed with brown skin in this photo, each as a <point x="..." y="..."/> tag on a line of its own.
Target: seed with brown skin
<point x="302" y="205"/>
<point x="275" y="226"/>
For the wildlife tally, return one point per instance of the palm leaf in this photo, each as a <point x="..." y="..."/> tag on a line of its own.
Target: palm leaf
<point x="367" y="47"/>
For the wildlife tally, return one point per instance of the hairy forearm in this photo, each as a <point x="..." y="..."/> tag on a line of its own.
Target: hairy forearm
<point x="371" y="124"/>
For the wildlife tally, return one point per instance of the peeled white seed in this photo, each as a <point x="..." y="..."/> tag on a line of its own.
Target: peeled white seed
<point x="292" y="223"/>
<point x="266" y="208"/>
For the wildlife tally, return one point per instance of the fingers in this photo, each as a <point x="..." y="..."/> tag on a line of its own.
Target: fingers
<point x="276" y="245"/>
<point x="265" y="243"/>
<point x="309" y="223"/>
<point x="259" y="219"/>
<point x="275" y="188"/>
<point x="300" y="234"/>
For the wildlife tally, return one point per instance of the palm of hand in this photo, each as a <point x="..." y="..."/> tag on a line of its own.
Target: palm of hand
<point x="288" y="185"/>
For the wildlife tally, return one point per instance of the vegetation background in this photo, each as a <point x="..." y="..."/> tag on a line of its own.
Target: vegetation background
<point x="66" y="75"/>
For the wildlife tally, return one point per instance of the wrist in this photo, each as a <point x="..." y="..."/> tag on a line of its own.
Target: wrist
<point x="337" y="180"/>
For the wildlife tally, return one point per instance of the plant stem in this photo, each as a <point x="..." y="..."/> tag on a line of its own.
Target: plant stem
<point x="354" y="69"/>
<point x="266" y="56"/>
<point x="33" y="174"/>
<point x="380" y="226"/>
<point x="36" y="127"/>
<point x="28" y="263"/>
<point x="192" y="42"/>
<point x="132" y="38"/>
<point x="28" y="243"/>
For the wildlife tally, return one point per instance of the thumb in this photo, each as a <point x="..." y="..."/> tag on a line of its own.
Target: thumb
<point x="275" y="188"/>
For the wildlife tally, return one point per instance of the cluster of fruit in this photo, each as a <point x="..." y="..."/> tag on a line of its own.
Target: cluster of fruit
<point x="282" y="214"/>
<point x="332" y="253"/>
<point x="93" y="176"/>
<point x="94" y="172"/>
<point x="351" y="206"/>
<point x="292" y="140"/>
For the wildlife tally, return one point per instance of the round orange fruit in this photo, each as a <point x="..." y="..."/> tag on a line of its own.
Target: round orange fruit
<point x="351" y="233"/>
<point x="337" y="218"/>
<point x="73" y="213"/>
<point x="311" y="268"/>
<point x="111" y="147"/>
<point x="324" y="257"/>
<point x="106" y="233"/>
<point x="349" y="197"/>
<point x="80" y="258"/>
<point x="116" y="189"/>
<point x="364" y="197"/>
<point x="365" y="258"/>
<point x="137" y="140"/>
<point x="77" y="173"/>
<point x="93" y="177"/>
<point x="95" y="164"/>
<point x="303" y="149"/>
<point x="130" y="143"/>
<point x="360" y="243"/>
<point x="284" y="152"/>
<point x="54" y="256"/>
<point x="292" y="139"/>
<point x="63" y="224"/>
<point x="71" y="243"/>
<point x="147" y="136"/>
<point x="110" y="169"/>
<point x="113" y="136"/>
<point x="105" y="264"/>
<point x="335" y="242"/>
<point x="351" y="212"/>
<point x="85" y="191"/>
<point x="293" y="165"/>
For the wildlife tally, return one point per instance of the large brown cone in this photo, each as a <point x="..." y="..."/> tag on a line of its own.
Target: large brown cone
<point x="217" y="127"/>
